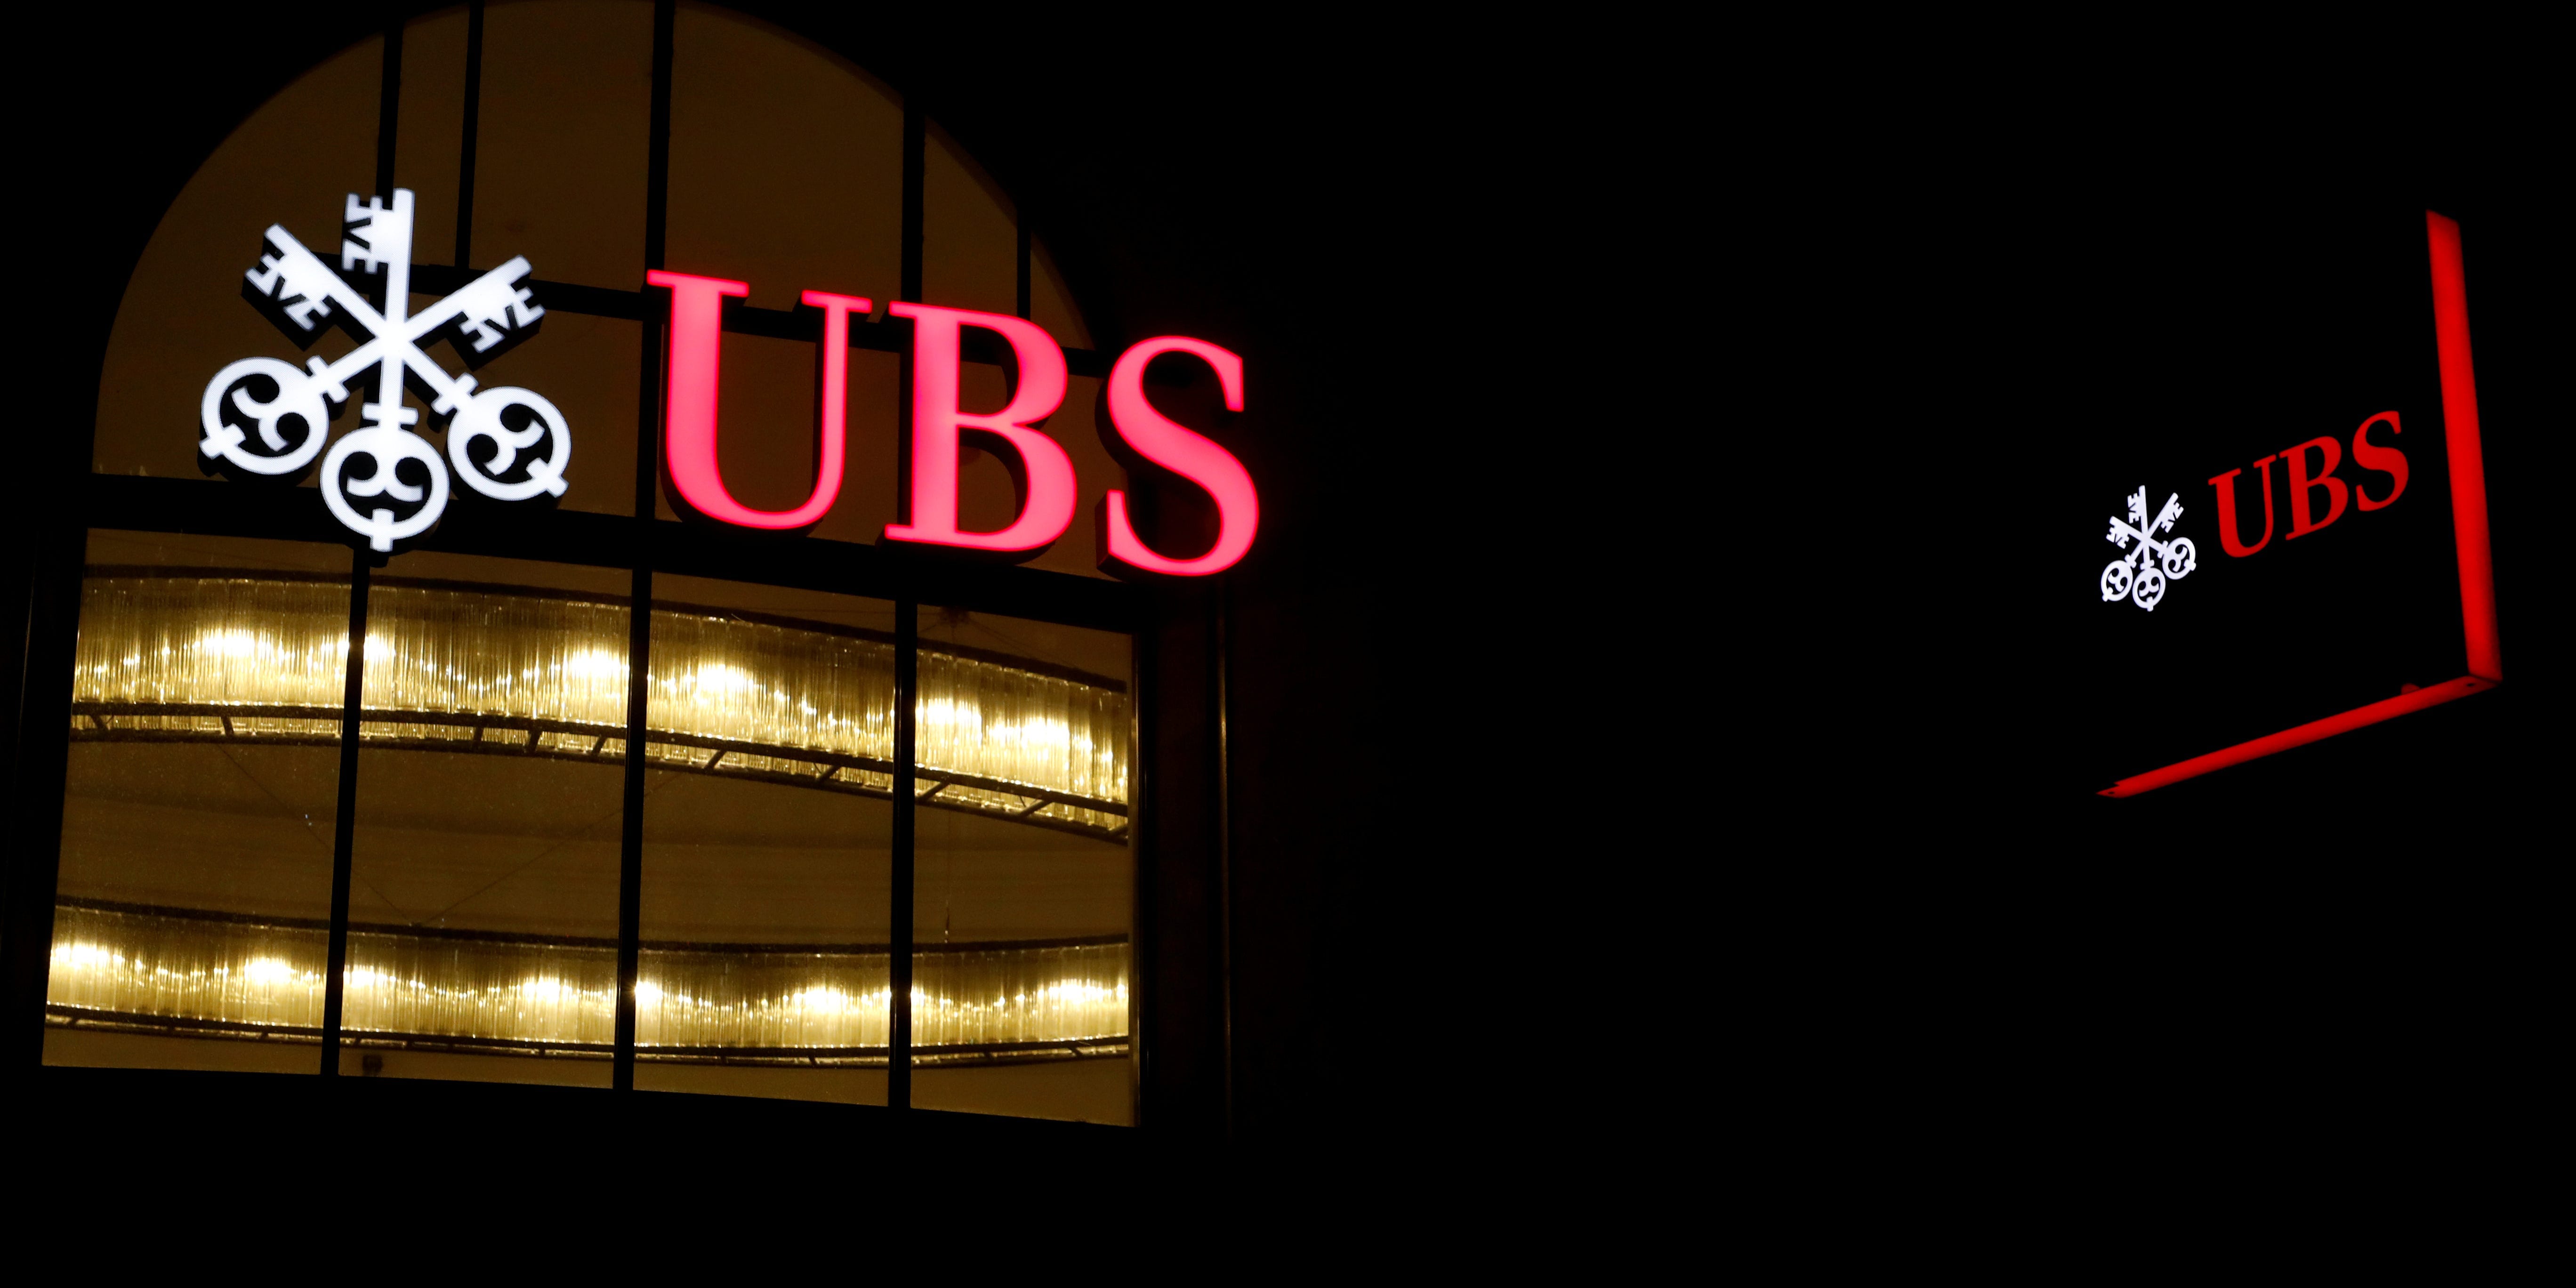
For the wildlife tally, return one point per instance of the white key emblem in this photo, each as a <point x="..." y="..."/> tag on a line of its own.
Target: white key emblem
<point x="251" y="432"/>
<point x="2143" y="573"/>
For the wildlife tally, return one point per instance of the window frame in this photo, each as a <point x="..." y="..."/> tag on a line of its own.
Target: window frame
<point x="1155" y="619"/>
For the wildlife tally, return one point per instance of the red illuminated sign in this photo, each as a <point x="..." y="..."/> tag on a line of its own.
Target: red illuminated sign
<point x="2318" y="499"/>
<point x="1042" y="470"/>
<point x="934" y="422"/>
<point x="2306" y="482"/>
<point x="689" y="401"/>
<point x="1155" y="437"/>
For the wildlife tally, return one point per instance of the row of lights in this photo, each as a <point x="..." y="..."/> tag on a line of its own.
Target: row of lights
<point x="241" y="642"/>
<point x="1084" y="998"/>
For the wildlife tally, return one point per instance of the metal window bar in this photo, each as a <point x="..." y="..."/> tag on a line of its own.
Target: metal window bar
<point x="906" y="735"/>
<point x="639" y="646"/>
<point x="344" y="827"/>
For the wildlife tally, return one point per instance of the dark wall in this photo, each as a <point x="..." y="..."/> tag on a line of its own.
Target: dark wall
<point x="2320" y="961"/>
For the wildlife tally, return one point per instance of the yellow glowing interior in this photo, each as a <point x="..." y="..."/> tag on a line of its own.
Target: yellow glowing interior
<point x="456" y="668"/>
<point x="248" y="657"/>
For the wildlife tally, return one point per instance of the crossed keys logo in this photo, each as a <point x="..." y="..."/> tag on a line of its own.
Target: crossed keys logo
<point x="270" y="417"/>
<point x="2141" y="575"/>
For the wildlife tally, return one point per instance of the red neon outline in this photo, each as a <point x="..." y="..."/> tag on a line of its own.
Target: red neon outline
<point x="2468" y="460"/>
<point x="2469" y="526"/>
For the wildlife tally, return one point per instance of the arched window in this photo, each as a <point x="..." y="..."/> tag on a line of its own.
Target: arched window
<point x="444" y="857"/>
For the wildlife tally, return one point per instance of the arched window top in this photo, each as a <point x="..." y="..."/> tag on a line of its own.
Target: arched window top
<point x="786" y="171"/>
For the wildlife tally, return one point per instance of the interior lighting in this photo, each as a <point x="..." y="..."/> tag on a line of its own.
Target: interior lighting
<point x="127" y="966"/>
<point x="473" y="669"/>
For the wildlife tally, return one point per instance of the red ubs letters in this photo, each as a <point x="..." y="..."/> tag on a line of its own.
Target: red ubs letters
<point x="2311" y="470"/>
<point x="935" y="420"/>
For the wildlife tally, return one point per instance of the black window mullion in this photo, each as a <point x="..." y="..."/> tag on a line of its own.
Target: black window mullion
<point x="1142" y="641"/>
<point x="473" y="127"/>
<point x="630" y="855"/>
<point x="344" y="827"/>
<point x="1220" y="651"/>
<point x="907" y="647"/>
<point x="388" y="110"/>
<point x="1021" y="219"/>
<point x="657" y="209"/>
<point x="916" y="142"/>
<point x="639" y="626"/>
<point x="907" y="652"/>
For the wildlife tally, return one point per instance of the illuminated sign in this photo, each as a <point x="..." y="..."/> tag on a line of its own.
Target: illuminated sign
<point x="2143" y="574"/>
<point x="935" y="423"/>
<point x="266" y="417"/>
<point x="2345" y="335"/>
<point x="2307" y="481"/>
<point x="689" y="402"/>
<point x="1159" y="440"/>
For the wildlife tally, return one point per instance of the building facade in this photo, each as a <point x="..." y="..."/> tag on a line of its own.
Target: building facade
<point x="664" y="766"/>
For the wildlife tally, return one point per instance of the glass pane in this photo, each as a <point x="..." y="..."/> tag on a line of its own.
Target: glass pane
<point x="749" y="202"/>
<point x="1023" y="884"/>
<point x="1051" y="302"/>
<point x="566" y="111"/>
<point x="970" y="236"/>
<point x="767" y="821"/>
<point x="754" y="112"/>
<point x="429" y="141"/>
<point x="191" y="922"/>
<point x="183" y="318"/>
<point x="483" y="884"/>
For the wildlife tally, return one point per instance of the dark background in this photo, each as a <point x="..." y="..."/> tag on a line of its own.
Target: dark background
<point x="1583" y="699"/>
<point x="2308" y="975"/>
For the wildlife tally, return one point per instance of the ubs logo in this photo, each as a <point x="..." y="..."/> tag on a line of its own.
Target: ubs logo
<point x="2141" y="575"/>
<point x="2307" y="479"/>
<point x="267" y="417"/>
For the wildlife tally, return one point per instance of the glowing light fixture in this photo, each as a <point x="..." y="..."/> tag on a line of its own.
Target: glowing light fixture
<point x="251" y="656"/>
<point x="132" y="967"/>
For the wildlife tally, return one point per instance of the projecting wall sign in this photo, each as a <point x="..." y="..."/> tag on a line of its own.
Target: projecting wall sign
<point x="268" y="417"/>
<point x="2375" y="601"/>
